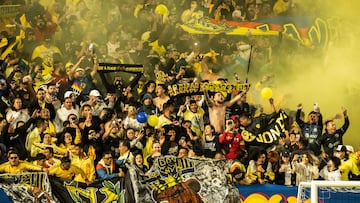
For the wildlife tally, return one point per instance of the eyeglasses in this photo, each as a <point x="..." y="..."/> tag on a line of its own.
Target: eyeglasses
<point x="13" y="157"/>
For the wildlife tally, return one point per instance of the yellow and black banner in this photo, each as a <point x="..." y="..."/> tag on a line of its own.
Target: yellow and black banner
<point x="201" y="87"/>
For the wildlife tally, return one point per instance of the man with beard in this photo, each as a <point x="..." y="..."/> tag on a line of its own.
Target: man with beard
<point x="40" y="103"/>
<point x="59" y="76"/>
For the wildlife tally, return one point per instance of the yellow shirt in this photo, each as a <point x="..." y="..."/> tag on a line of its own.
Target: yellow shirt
<point x="87" y="165"/>
<point x="147" y="150"/>
<point x="51" y="129"/>
<point x="40" y="148"/>
<point x="163" y="121"/>
<point x="51" y="165"/>
<point x="46" y="54"/>
<point x="197" y="121"/>
<point x="33" y="136"/>
<point x="67" y="174"/>
<point x="23" y="166"/>
<point x="350" y="165"/>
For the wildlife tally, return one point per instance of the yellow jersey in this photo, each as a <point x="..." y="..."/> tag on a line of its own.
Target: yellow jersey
<point x="23" y="166"/>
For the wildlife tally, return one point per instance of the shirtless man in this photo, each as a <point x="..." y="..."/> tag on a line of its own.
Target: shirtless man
<point x="161" y="97"/>
<point x="217" y="109"/>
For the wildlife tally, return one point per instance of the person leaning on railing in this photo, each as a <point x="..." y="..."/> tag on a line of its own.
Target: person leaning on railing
<point x="16" y="166"/>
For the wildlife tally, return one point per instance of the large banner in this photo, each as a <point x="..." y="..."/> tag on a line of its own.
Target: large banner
<point x="201" y="87"/>
<point x="309" y="31"/>
<point x="26" y="187"/>
<point x="267" y="131"/>
<point x="173" y="179"/>
<point x="106" y="191"/>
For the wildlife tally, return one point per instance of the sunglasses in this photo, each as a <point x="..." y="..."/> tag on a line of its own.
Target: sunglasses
<point x="108" y="158"/>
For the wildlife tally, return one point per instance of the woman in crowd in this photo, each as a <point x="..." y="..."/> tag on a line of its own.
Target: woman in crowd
<point x="139" y="163"/>
<point x="47" y="141"/>
<point x="286" y="174"/>
<point x="331" y="170"/>
<point x="156" y="152"/>
<point x="63" y="113"/>
<point x="136" y="140"/>
<point x="66" y="141"/>
<point x="259" y="169"/>
<point x="306" y="167"/>
<point x="210" y="142"/>
<point x="170" y="145"/>
<point x="17" y="113"/>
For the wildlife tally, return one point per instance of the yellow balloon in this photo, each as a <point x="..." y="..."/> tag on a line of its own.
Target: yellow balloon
<point x="266" y="93"/>
<point x="153" y="120"/>
<point x="161" y="9"/>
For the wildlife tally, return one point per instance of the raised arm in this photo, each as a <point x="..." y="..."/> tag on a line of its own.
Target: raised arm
<point x="346" y="121"/>
<point x="95" y="66"/>
<point x="272" y="105"/>
<point x="298" y="113"/>
<point x="235" y="99"/>
<point x="208" y="100"/>
<point x="73" y="69"/>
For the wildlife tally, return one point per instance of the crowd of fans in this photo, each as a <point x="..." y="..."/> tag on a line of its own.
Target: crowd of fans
<point x="62" y="115"/>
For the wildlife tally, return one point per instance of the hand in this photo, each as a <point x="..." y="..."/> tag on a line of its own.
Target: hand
<point x="187" y="100"/>
<point x="82" y="58"/>
<point x="88" y="118"/>
<point x="182" y="108"/>
<point x="299" y="106"/>
<point x="181" y="72"/>
<point x="111" y="98"/>
<point x="46" y="170"/>
<point x="296" y="157"/>
<point x="140" y="135"/>
<point x="11" y="119"/>
<point x="324" y="155"/>
<point x="259" y="168"/>
<point x="88" y="182"/>
<point x="262" y="181"/>
<point x="36" y="113"/>
<point x="344" y="110"/>
<point x="271" y="100"/>
<point x="121" y="174"/>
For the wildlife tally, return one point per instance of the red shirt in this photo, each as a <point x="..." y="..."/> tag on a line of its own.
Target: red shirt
<point x="48" y="31"/>
<point x="235" y="142"/>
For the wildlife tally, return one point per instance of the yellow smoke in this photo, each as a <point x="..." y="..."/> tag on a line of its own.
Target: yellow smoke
<point x="330" y="79"/>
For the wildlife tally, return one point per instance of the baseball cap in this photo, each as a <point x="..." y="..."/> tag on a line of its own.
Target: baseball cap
<point x="79" y="69"/>
<point x="95" y="93"/>
<point x="68" y="94"/>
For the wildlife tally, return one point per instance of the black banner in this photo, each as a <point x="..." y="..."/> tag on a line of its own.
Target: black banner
<point x="127" y="68"/>
<point x="266" y="132"/>
<point x="106" y="191"/>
